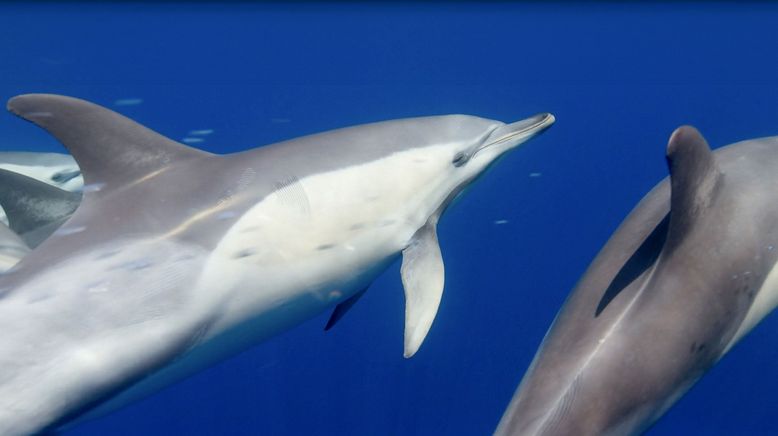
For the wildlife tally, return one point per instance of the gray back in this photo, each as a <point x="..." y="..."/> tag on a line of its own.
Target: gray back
<point x="662" y="300"/>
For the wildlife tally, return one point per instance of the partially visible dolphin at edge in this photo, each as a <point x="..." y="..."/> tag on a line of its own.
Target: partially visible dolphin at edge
<point x="163" y="271"/>
<point x="689" y="272"/>
<point x="35" y="209"/>
<point x="56" y="169"/>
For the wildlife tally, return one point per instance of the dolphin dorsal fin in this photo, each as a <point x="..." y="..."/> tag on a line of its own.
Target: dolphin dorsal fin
<point x="694" y="177"/>
<point x="31" y="204"/>
<point x="110" y="149"/>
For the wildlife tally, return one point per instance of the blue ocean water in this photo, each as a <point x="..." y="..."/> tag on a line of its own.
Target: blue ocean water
<point x="618" y="77"/>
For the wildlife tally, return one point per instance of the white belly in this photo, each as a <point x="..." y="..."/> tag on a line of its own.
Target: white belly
<point x="311" y="244"/>
<point x="321" y="238"/>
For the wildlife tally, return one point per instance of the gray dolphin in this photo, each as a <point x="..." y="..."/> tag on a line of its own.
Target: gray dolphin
<point x="35" y="209"/>
<point x="162" y="271"/>
<point x="689" y="272"/>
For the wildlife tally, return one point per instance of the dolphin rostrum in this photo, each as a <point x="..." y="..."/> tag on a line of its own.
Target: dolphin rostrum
<point x="688" y="273"/>
<point x="161" y="272"/>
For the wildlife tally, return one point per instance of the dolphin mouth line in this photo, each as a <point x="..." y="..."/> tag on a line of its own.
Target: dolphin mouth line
<point x="526" y="128"/>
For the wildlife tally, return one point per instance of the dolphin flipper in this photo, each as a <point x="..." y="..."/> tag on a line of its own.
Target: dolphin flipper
<point x="341" y="309"/>
<point x="35" y="209"/>
<point x="422" y="277"/>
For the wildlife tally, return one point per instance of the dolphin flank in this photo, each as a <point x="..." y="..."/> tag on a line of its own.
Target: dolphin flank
<point x="161" y="272"/>
<point x="688" y="273"/>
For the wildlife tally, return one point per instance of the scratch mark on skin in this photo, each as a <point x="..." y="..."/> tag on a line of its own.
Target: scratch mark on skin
<point x="65" y="231"/>
<point x="244" y="253"/>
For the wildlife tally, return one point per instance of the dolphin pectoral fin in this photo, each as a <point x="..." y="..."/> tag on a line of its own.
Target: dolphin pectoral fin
<point x="694" y="178"/>
<point x="110" y="148"/>
<point x="341" y="309"/>
<point x="30" y="203"/>
<point x="422" y="277"/>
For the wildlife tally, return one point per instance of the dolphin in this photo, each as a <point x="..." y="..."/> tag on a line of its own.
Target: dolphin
<point x="161" y="272"/>
<point x="35" y="209"/>
<point x="56" y="169"/>
<point x="689" y="272"/>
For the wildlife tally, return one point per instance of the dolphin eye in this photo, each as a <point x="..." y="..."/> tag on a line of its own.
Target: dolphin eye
<point x="459" y="159"/>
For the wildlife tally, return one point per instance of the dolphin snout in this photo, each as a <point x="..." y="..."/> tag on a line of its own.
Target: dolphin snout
<point x="521" y="130"/>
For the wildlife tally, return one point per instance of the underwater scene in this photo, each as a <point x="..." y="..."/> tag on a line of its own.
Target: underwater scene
<point x="231" y="274"/>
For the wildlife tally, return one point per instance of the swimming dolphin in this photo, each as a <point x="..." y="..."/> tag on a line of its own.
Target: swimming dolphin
<point x="688" y="273"/>
<point x="162" y="272"/>
<point x="35" y="209"/>
<point x="56" y="169"/>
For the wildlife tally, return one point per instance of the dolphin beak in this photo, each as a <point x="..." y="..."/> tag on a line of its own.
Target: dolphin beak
<point x="520" y="131"/>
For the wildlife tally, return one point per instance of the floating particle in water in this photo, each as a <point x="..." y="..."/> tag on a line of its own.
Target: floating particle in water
<point x="190" y="140"/>
<point x="128" y="101"/>
<point x="535" y="174"/>
<point x="200" y="132"/>
<point x="500" y="222"/>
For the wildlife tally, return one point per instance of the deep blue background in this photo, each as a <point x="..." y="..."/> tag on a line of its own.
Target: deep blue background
<point x="619" y="78"/>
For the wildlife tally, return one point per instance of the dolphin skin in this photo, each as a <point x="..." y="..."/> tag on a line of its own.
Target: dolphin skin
<point x="161" y="272"/>
<point x="689" y="272"/>
<point x="12" y="248"/>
